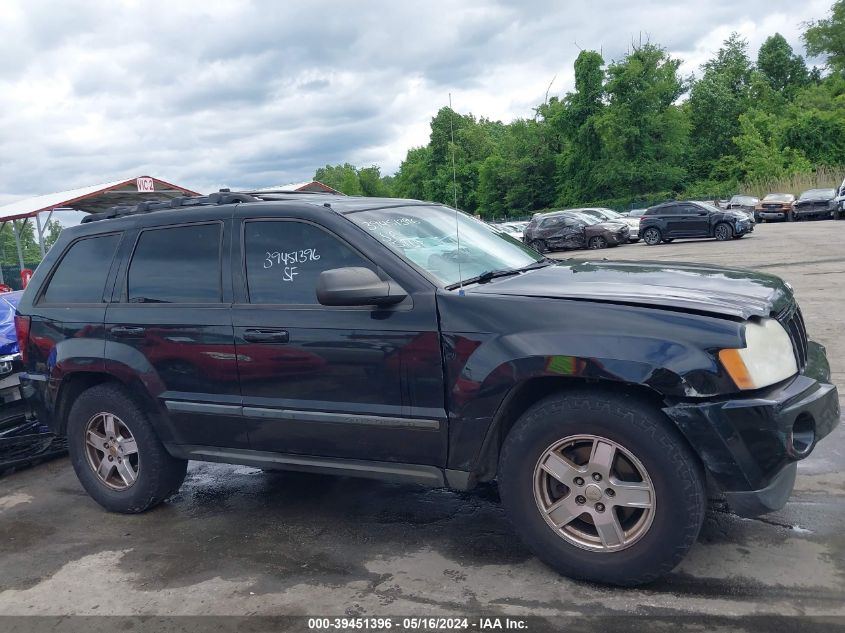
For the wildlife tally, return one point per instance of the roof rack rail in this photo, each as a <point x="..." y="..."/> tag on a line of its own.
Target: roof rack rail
<point x="277" y="192"/>
<point x="147" y="206"/>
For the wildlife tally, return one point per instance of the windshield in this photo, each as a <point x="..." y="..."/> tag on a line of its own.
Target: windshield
<point x="426" y="236"/>
<point x="819" y="193"/>
<point x="780" y="197"/>
<point x="709" y="207"/>
<point x="586" y="218"/>
<point x="743" y="200"/>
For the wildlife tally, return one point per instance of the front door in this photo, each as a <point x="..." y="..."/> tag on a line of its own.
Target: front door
<point x="359" y="382"/>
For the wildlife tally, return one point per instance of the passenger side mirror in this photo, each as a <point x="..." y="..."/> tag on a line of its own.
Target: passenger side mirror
<point x="356" y="286"/>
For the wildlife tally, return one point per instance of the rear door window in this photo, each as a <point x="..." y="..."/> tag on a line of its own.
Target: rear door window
<point x="81" y="274"/>
<point x="284" y="259"/>
<point x="178" y="264"/>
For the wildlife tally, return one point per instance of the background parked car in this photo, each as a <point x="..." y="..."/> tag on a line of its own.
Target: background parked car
<point x="746" y="204"/>
<point x="22" y="439"/>
<point x="671" y="220"/>
<point x="608" y="215"/>
<point x="774" y="206"/>
<point x="567" y="229"/>
<point x="514" y="229"/>
<point x="816" y="204"/>
<point x="839" y="212"/>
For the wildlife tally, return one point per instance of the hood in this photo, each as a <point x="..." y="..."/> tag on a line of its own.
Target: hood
<point x="729" y="292"/>
<point x="816" y="197"/>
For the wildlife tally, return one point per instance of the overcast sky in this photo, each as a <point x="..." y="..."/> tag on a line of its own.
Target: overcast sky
<point x="233" y="93"/>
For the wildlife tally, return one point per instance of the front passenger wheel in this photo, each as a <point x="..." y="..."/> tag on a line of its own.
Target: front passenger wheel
<point x="723" y="231"/>
<point x="651" y="236"/>
<point x="601" y="487"/>
<point x="116" y="453"/>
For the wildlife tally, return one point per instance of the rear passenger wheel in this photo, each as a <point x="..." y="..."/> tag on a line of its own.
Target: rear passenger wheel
<point x="601" y="487"/>
<point x="723" y="231"/>
<point x="116" y="454"/>
<point x="598" y="242"/>
<point x="651" y="236"/>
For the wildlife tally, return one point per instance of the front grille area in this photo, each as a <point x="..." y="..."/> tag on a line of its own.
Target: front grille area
<point x="793" y="322"/>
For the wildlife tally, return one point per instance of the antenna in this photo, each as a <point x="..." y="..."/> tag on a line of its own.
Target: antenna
<point x="455" y="193"/>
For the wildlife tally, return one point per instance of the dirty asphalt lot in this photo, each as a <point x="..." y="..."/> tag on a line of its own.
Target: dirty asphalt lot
<point x="238" y="541"/>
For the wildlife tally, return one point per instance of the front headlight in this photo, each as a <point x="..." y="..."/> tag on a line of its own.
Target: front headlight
<point x="767" y="357"/>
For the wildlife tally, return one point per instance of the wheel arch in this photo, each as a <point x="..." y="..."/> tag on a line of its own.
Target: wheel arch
<point x="522" y="396"/>
<point x="75" y="383"/>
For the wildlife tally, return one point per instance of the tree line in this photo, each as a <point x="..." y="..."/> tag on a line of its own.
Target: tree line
<point x="634" y="131"/>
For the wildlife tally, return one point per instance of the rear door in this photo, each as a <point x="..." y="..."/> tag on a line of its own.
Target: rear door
<point x="170" y="328"/>
<point x="346" y="382"/>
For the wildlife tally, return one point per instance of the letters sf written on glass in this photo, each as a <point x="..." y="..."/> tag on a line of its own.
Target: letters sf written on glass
<point x="290" y="261"/>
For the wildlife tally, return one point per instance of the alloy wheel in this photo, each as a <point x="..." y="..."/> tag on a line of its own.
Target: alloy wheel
<point x="651" y="236"/>
<point x="598" y="242"/>
<point x="723" y="232"/>
<point x="112" y="451"/>
<point x="594" y="493"/>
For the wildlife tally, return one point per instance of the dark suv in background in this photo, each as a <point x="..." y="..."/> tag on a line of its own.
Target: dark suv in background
<point x="403" y="340"/>
<point x="672" y="220"/>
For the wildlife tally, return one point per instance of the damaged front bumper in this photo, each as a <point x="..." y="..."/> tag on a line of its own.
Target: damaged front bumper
<point x="751" y="444"/>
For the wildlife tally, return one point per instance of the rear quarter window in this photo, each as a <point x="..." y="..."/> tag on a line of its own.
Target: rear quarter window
<point x="80" y="276"/>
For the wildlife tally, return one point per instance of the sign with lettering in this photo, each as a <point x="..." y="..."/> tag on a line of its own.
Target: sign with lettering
<point x="145" y="184"/>
<point x="280" y="259"/>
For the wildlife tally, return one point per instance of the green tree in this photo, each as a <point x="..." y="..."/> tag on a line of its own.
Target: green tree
<point x="782" y="68"/>
<point x="716" y="102"/>
<point x="643" y="132"/>
<point x="574" y="121"/>
<point x="344" y="178"/>
<point x="826" y="37"/>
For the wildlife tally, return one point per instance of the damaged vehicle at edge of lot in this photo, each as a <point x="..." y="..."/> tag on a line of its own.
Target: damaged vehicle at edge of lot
<point x="604" y="398"/>
<point x="569" y="229"/>
<point x="815" y="204"/>
<point x="22" y="437"/>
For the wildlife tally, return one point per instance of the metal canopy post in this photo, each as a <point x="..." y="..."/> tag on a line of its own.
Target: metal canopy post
<point x="18" y="240"/>
<point x="40" y="235"/>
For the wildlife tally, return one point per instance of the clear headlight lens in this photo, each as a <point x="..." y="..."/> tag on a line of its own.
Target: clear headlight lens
<point x="767" y="357"/>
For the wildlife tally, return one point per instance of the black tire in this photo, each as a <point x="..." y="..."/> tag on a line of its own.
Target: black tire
<point x="723" y="232"/>
<point x="598" y="241"/>
<point x="652" y="236"/>
<point x="540" y="246"/>
<point x="675" y="472"/>
<point x="159" y="474"/>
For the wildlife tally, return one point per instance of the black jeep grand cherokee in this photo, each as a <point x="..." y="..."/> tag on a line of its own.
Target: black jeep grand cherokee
<point x="366" y="337"/>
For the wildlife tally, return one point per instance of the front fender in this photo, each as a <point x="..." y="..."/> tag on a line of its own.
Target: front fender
<point x="671" y="353"/>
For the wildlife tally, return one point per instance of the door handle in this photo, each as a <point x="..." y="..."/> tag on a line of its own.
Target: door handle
<point x="266" y="336"/>
<point x="124" y="331"/>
